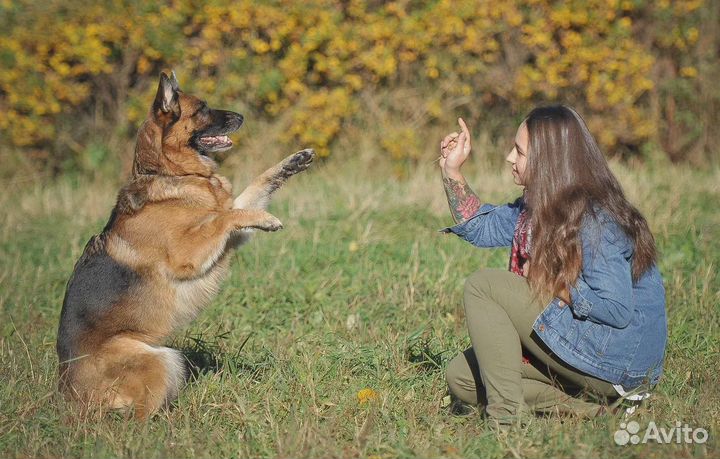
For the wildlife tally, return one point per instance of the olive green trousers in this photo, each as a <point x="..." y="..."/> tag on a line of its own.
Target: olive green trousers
<point x="500" y="310"/>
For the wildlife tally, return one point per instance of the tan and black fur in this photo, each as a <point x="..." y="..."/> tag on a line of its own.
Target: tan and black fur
<point x="160" y="258"/>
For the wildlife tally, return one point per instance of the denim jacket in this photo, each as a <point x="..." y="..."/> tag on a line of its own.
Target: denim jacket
<point x="614" y="329"/>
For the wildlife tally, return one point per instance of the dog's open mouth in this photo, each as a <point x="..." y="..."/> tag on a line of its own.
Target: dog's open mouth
<point x="212" y="143"/>
<point x="214" y="138"/>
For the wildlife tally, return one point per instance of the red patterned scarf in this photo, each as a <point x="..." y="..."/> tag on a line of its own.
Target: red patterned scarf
<point x="520" y="249"/>
<point x="520" y="253"/>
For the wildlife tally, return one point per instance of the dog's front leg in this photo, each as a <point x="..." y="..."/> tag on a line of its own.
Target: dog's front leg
<point x="257" y="194"/>
<point x="196" y="249"/>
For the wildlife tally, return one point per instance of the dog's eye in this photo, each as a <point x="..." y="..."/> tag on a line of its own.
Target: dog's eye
<point x="202" y="110"/>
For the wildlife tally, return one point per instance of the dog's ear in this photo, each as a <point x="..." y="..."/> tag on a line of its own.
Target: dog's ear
<point x="167" y="99"/>
<point x="174" y="81"/>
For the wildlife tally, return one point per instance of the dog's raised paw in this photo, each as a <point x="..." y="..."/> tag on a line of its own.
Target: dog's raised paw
<point x="271" y="223"/>
<point x="299" y="161"/>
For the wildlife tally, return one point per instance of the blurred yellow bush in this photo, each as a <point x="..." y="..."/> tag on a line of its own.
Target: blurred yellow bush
<point x="312" y="59"/>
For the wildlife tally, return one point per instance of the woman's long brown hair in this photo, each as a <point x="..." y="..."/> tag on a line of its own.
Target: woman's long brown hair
<point x="568" y="179"/>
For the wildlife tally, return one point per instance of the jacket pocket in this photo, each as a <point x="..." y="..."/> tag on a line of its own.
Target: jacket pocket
<point x="624" y="349"/>
<point x="552" y="311"/>
<point x="594" y="340"/>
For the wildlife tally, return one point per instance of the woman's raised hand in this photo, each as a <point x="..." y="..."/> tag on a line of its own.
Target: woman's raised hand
<point x="455" y="149"/>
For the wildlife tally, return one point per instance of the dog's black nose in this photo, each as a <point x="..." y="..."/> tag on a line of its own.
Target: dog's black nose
<point x="233" y="120"/>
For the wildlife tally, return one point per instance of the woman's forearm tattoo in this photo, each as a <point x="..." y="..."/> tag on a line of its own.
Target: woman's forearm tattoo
<point x="464" y="203"/>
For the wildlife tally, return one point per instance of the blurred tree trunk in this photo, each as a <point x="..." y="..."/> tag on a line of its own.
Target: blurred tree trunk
<point x="708" y="50"/>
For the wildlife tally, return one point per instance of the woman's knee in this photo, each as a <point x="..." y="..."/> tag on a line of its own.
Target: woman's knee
<point x="481" y="289"/>
<point x="479" y="282"/>
<point x="490" y="287"/>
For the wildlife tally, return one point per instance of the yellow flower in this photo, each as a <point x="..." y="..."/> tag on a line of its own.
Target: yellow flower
<point x="366" y="395"/>
<point x="689" y="72"/>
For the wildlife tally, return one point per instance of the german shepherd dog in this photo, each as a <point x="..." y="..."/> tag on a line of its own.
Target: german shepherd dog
<point x="160" y="258"/>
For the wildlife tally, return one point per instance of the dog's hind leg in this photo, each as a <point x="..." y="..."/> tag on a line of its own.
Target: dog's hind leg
<point x="257" y="195"/>
<point x="136" y="375"/>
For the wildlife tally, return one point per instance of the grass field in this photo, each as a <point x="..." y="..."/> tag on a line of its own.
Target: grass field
<point x="358" y="291"/>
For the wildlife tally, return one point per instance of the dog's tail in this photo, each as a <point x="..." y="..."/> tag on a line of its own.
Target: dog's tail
<point x="126" y="373"/>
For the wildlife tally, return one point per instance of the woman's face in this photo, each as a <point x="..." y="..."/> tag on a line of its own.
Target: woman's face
<point x="518" y="155"/>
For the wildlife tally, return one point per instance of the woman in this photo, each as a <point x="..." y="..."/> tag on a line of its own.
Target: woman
<point x="582" y="307"/>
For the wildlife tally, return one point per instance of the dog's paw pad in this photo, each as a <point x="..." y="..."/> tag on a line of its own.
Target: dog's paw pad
<point x="299" y="161"/>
